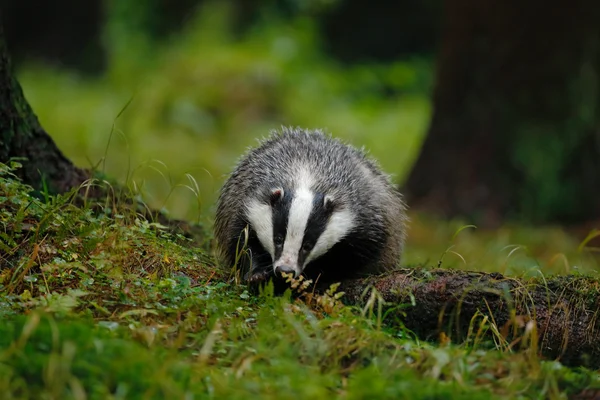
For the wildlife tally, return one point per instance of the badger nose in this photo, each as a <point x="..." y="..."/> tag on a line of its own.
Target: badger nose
<point x="280" y="269"/>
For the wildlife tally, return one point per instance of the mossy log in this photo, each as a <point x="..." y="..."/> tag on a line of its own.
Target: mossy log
<point x="558" y="316"/>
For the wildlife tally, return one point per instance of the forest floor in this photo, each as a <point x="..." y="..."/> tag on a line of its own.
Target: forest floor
<point x="98" y="303"/>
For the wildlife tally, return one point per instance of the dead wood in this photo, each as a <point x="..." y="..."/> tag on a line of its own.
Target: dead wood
<point x="562" y="310"/>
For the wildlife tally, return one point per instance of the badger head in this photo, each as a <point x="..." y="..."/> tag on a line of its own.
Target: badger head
<point x="296" y="226"/>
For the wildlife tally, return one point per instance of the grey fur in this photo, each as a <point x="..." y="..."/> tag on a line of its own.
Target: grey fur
<point x="338" y="169"/>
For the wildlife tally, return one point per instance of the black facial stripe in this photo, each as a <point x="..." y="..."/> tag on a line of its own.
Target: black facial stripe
<point x="280" y="215"/>
<point x="317" y="222"/>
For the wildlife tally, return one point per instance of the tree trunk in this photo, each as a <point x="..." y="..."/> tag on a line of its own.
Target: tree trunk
<point x="515" y="131"/>
<point x="46" y="168"/>
<point x="21" y="135"/>
<point x="557" y="317"/>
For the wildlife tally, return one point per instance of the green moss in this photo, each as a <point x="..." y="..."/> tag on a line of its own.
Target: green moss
<point x="104" y="304"/>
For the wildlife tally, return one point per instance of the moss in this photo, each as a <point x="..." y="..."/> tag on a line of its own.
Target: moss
<point x="98" y="301"/>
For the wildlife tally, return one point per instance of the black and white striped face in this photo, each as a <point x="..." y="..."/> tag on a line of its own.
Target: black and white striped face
<point x="298" y="226"/>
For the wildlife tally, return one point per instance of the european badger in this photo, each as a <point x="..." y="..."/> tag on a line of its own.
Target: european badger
<point x="305" y="203"/>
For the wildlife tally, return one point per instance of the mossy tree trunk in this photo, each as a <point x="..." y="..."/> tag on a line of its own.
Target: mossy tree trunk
<point x="515" y="131"/>
<point x="21" y="135"/>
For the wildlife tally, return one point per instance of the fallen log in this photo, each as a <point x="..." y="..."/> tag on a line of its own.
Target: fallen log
<point x="558" y="316"/>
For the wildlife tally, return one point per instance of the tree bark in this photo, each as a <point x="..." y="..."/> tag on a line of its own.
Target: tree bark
<point x="515" y="131"/>
<point x="45" y="167"/>
<point x="561" y="313"/>
<point x="22" y="136"/>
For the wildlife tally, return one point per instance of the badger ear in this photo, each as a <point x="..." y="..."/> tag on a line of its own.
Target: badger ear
<point x="329" y="203"/>
<point x="276" y="195"/>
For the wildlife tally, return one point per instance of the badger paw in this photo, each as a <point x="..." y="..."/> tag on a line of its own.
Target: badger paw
<point x="258" y="276"/>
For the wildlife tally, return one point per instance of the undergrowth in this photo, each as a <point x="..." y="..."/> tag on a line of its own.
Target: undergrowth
<point x="98" y="302"/>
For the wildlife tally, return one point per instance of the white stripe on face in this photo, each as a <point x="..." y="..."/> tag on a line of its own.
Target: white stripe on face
<point x="300" y="209"/>
<point x="260" y="216"/>
<point x="340" y="224"/>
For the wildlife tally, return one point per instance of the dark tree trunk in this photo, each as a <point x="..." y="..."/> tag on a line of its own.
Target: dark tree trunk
<point x="21" y="135"/>
<point x="45" y="167"/>
<point x="516" y="124"/>
<point x="66" y="33"/>
<point x="556" y="317"/>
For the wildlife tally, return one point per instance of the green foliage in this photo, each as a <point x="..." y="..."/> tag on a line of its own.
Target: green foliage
<point x="97" y="303"/>
<point x="200" y="98"/>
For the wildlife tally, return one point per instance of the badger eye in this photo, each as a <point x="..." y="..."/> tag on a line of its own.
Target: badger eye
<point x="306" y="246"/>
<point x="278" y="240"/>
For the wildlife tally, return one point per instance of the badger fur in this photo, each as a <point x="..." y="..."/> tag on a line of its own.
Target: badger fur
<point x="305" y="203"/>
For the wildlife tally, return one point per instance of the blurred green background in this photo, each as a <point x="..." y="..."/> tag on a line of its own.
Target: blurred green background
<point x="165" y="97"/>
<point x="202" y="95"/>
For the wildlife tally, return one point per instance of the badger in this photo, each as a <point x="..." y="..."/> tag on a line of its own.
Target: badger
<point x="305" y="203"/>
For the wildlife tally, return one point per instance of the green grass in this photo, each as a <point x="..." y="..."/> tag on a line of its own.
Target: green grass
<point x="101" y="304"/>
<point x="513" y="249"/>
<point x="96" y="302"/>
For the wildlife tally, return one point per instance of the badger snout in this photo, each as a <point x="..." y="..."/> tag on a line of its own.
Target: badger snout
<point x="287" y="269"/>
